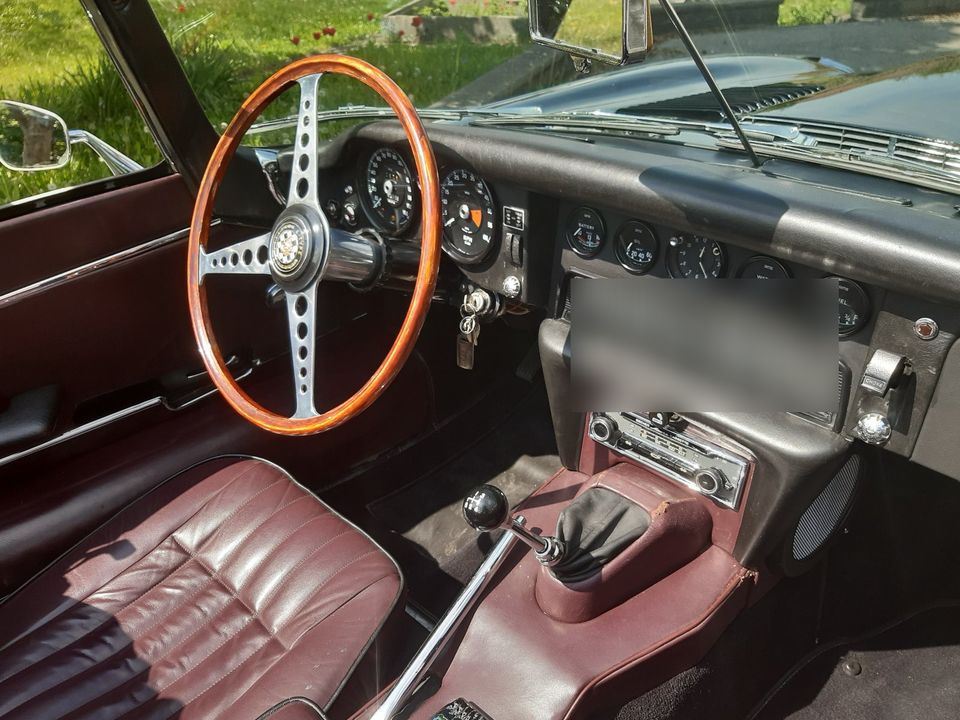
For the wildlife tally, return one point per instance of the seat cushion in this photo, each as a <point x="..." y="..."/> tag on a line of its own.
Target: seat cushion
<point x="219" y="594"/>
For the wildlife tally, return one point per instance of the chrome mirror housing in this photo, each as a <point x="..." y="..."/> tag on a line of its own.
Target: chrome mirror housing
<point x="32" y="138"/>
<point x="616" y="32"/>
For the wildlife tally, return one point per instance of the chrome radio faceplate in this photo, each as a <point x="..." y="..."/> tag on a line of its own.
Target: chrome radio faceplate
<point x="688" y="456"/>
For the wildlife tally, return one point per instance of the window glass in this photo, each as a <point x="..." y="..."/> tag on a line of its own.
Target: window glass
<point x="51" y="60"/>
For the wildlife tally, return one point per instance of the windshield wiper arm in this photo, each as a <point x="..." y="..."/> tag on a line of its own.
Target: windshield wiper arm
<point x="711" y="82"/>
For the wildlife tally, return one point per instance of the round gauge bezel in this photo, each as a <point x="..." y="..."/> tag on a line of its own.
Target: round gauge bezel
<point x="448" y="247"/>
<point x="765" y="258"/>
<point x="568" y="232"/>
<point x="867" y="304"/>
<point x="367" y="201"/>
<point x="673" y="262"/>
<point x="619" y="250"/>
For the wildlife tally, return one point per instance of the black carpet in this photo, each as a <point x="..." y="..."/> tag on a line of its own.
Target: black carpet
<point x="428" y="536"/>
<point x="907" y="671"/>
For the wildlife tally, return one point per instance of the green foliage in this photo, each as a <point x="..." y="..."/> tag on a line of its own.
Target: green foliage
<point x="474" y="8"/>
<point x="812" y="12"/>
<point x="51" y="58"/>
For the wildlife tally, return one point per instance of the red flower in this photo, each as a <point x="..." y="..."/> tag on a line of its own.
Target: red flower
<point x="417" y="21"/>
<point x="401" y="33"/>
<point x="295" y="39"/>
<point x="330" y="30"/>
<point x="453" y="2"/>
<point x="370" y="16"/>
<point x="181" y="8"/>
<point x="317" y="34"/>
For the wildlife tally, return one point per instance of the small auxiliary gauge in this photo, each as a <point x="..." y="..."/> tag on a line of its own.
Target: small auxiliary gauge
<point x="762" y="267"/>
<point x="585" y="232"/>
<point x="637" y="247"/>
<point x="695" y="257"/>
<point x="854" y="309"/>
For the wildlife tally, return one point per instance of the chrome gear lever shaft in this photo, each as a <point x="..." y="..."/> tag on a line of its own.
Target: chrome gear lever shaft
<point x="486" y="509"/>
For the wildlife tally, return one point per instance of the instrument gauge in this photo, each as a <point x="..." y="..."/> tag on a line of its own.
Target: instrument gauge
<point x="764" y="268"/>
<point x="469" y="216"/>
<point x="390" y="191"/>
<point x="637" y="247"/>
<point x="695" y="257"/>
<point x="854" y="308"/>
<point x="585" y="232"/>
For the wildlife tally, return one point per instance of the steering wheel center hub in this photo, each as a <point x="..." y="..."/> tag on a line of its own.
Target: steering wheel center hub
<point x="298" y="245"/>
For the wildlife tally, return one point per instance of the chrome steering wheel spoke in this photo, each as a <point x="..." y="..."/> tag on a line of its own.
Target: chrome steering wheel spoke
<point x="303" y="179"/>
<point x="302" y="319"/>
<point x="247" y="257"/>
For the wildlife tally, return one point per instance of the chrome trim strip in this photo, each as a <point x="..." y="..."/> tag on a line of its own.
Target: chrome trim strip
<point x="436" y="642"/>
<point x="28" y="291"/>
<point x="84" y="429"/>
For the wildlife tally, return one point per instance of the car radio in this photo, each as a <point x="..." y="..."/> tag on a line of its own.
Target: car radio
<point x="676" y="449"/>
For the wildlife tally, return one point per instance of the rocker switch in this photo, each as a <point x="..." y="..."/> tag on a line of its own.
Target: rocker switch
<point x="882" y="372"/>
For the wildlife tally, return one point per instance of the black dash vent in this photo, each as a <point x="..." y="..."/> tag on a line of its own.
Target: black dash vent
<point x="743" y="100"/>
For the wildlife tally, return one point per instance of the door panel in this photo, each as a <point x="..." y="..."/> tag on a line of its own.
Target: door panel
<point x="111" y="338"/>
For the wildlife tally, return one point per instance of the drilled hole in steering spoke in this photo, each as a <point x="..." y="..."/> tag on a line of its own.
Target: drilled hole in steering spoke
<point x="302" y="331"/>
<point x="303" y="372"/>
<point x="303" y="352"/>
<point x="303" y="389"/>
<point x="304" y="139"/>
<point x="300" y="308"/>
<point x="234" y="259"/>
<point x="304" y="162"/>
<point x="247" y="257"/>
<point x="263" y="254"/>
<point x="302" y="188"/>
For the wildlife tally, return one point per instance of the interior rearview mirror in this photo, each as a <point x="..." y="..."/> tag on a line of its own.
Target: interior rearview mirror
<point x="32" y="138"/>
<point x="616" y="32"/>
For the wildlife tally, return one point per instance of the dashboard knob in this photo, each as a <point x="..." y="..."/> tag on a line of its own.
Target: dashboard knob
<point x="874" y="428"/>
<point x="511" y="286"/>
<point x="602" y="428"/>
<point x="709" y="480"/>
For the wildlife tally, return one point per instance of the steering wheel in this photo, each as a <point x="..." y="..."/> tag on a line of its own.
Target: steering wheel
<point x="302" y="249"/>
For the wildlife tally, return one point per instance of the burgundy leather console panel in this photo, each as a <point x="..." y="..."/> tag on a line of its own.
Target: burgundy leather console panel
<point x="515" y="661"/>
<point x="224" y="591"/>
<point x="679" y="531"/>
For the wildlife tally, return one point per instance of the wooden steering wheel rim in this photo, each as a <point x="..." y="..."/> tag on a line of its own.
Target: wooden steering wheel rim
<point x="429" y="254"/>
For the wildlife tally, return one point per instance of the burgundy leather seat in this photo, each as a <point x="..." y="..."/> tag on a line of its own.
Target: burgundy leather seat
<point x="219" y="594"/>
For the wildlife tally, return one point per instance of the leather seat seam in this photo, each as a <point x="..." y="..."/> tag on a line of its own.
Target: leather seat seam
<point x="85" y="595"/>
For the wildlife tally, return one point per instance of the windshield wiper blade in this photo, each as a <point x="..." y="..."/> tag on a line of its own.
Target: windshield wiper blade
<point x="366" y="112"/>
<point x="867" y="161"/>
<point x="580" y="121"/>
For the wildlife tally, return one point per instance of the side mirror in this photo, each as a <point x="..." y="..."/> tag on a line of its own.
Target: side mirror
<point x="32" y="138"/>
<point x="616" y="32"/>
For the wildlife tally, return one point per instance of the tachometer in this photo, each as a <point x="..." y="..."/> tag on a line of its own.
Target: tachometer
<point x="390" y="190"/>
<point x="469" y="216"/>
<point x="696" y="257"/>
<point x="585" y="232"/>
<point x="762" y="267"/>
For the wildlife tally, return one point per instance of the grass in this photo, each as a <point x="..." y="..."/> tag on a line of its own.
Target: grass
<point x="51" y="57"/>
<point x="812" y="12"/>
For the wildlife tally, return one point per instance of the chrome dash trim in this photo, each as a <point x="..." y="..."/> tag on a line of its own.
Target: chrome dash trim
<point x="84" y="429"/>
<point x="28" y="291"/>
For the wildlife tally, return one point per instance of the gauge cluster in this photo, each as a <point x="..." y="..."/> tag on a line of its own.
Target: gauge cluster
<point x="594" y="242"/>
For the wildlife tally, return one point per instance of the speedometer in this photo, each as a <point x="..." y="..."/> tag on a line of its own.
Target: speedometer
<point x="469" y="216"/>
<point x="390" y="196"/>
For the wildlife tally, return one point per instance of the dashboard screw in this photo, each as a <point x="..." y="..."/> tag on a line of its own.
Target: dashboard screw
<point x="852" y="668"/>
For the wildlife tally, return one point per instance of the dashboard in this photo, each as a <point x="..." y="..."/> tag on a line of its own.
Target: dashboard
<point x="524" y="212"/>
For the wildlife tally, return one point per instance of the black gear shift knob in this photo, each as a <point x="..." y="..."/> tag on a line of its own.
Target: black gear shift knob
<point x="486" y="508"/>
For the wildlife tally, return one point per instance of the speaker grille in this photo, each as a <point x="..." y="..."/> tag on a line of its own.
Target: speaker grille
<point x="826" y="512"/>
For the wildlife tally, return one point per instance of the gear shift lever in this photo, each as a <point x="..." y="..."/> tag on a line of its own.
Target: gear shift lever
<point x="486" y="509"/>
